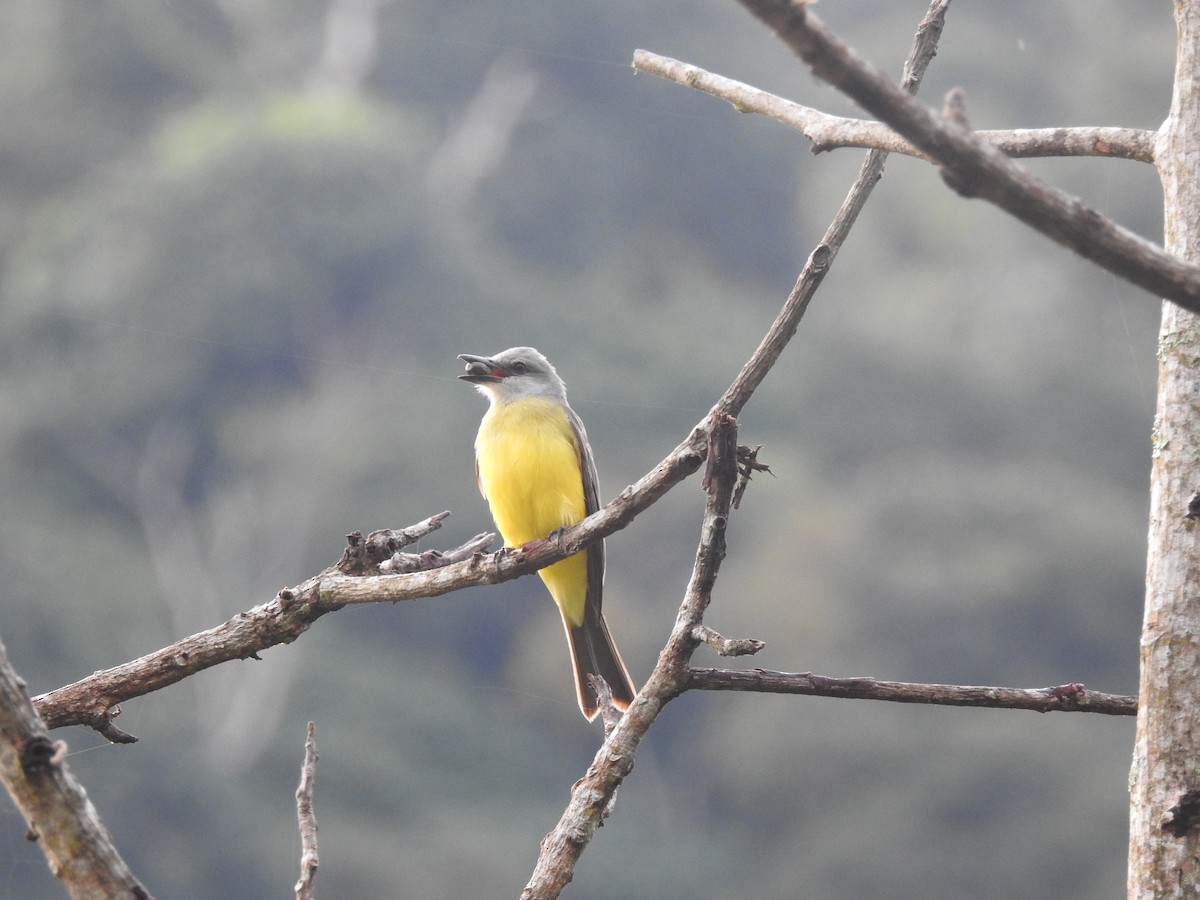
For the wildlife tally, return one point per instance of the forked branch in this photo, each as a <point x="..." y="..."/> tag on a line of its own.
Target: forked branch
<point x="592" y="795"/>
<point x="976" y="168"/>
<point x="828" y="132"/>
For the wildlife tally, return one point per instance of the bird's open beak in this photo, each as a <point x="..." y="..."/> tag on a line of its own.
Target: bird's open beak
<point x="480" y="369"/>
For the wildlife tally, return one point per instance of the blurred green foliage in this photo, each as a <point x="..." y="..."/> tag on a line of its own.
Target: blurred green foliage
<point x="241" y="244"/>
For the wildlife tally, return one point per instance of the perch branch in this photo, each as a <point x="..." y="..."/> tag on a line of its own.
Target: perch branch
<point x="94" y="701"/>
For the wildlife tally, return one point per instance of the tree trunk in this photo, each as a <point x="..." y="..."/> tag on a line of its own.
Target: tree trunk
<point x="1166" y="758"/>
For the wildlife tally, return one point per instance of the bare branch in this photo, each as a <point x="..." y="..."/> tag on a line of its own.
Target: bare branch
<point x="509" y="563"/>
<point x="61" y="818"/>
<point x="1064" y="698"/>
<point x="380" y="552"/>
<point x="828" y="132"/>
<point x="748" y="464"/>
<point x="978" y="169"/>
<point x="93" y="701"/>
<point x="592" y="796"/>
<point x="609" y="713"/>
<point x="819" y="261"/>
<point x="727" y="646"/>
<point x="307" y="818"/>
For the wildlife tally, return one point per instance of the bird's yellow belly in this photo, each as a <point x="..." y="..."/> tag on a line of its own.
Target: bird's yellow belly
<point x="529" y="472"/>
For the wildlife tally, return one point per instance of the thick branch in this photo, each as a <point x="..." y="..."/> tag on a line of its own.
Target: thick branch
<point x="61" y="818"/>
<point x="976" y="168"/>
<point x="1064" y="698"/>
<point x="828" y="132"/>
<point x="1163" y="779"/>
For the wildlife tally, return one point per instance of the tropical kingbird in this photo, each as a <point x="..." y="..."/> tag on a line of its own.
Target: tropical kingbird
<point x="535" y="469"/>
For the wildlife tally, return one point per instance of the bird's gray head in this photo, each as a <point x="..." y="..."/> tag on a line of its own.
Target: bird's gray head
<point x="518" y="373"/>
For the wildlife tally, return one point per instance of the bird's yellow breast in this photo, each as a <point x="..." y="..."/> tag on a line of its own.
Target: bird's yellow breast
<point x="528" y="467"/>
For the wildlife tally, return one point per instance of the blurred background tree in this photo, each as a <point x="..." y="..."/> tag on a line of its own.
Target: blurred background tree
<point x="240" y="246"/>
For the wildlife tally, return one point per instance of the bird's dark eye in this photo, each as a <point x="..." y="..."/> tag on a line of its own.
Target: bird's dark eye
<point x="519" y="368"/>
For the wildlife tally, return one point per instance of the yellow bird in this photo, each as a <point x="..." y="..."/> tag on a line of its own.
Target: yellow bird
<point x="535" y="469"/>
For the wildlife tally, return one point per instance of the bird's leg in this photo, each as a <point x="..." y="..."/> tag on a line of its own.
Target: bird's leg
<point x="529" y="546"/>
<point x="538" y="543"/>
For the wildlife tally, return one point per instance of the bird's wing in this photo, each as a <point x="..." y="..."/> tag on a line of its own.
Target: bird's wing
<point x="591" y="503"/>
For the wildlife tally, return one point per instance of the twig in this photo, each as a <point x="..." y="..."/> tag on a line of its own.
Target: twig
<point x="979" y="169"/>
<point x="828" y="132"/>
<point x="727" y="646"/>
<point x="1063" y="698"/>
<point x="610" y="715"/>
<point x="61" y="818"/>
<point x="380" y="552"/>
<point x="307" y="818"/>
<point x="748" y="464"/>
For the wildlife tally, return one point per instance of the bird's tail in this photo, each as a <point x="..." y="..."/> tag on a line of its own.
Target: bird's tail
<point x="594" y="653"/>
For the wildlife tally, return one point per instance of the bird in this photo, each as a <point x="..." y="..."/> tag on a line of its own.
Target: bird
<point x="535" y="468"/>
